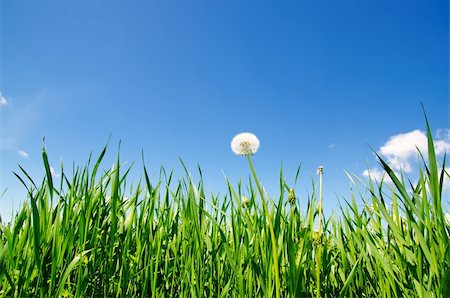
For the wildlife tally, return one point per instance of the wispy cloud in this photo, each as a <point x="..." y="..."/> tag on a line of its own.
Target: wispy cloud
<point x="332" y="145"/>
<point x="19" y="120"/>
<point x="3" y="100"/>
<point x="54" y="173"/>
<point x="23" y="154"/>
<point x="377" y="175"/>
<point x="443" y="134"/>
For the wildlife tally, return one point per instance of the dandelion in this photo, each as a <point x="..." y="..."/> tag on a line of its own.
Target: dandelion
<point x="320" y="170"/>
<point x="319" y="232"/>
<point x="319" y="207"/>
<point x="245" y="144"/>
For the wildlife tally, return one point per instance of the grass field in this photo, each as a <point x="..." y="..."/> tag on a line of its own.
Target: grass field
<point x="85" y="238"/>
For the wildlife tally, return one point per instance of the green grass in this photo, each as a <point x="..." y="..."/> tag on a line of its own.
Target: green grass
<point x="85" y="238"/>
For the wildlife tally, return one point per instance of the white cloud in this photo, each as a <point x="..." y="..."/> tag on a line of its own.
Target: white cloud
<point x="54" y="173"/>
<point x="443" y="134"/>
<point x="400" y="150"/>
<point x="446" y="184"/>
<point x="441" y="146"/>
<point x="3" y="101"/>
<point x="377" y="175"/>
<point x="332" y="145"/>
<point x="23" y="154"/>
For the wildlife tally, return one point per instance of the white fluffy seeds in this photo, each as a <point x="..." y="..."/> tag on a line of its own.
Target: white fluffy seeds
<point x="245" y="143"/>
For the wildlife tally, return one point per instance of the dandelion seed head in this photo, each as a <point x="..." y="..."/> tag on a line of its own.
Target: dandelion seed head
<point x="244" y="144"/>
<point x="320" y="170"/>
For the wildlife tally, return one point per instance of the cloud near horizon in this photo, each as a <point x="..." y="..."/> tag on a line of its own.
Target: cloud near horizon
<point x="401" y="151"/>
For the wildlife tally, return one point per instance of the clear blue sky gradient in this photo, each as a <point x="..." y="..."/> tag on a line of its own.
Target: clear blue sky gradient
<point x="316" y="81"/>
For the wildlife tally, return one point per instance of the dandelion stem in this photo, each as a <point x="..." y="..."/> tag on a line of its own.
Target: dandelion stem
<point x="272" y="233"/>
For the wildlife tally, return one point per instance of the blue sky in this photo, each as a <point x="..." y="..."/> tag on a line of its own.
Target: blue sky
<point x="316" y="81"/>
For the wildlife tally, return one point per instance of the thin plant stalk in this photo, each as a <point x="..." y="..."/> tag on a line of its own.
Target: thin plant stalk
<point x="319" y="236"/>
<point x="320" y="171"/>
